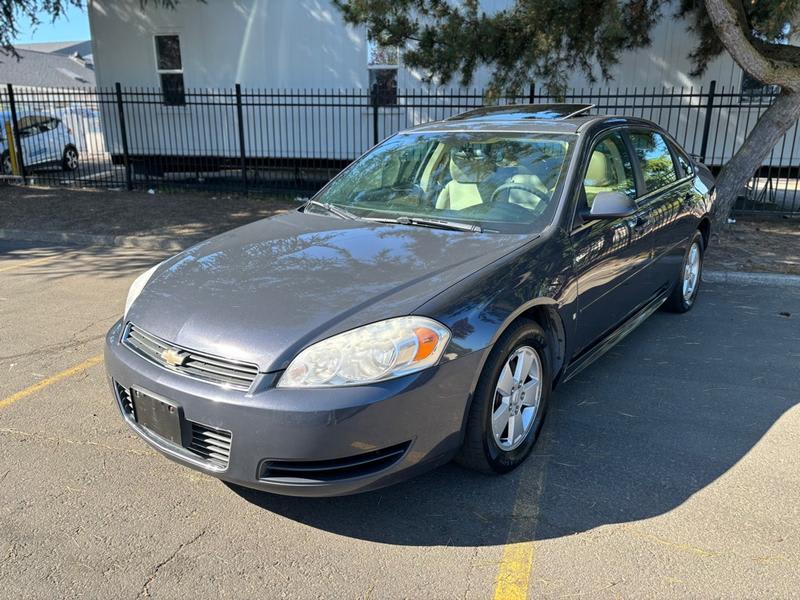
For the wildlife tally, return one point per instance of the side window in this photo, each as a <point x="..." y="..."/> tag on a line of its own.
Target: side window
<point x="684" y="162"/>
<point x="382" y="64"/>
<point x="655" y="159"/>
<point x="170" y="69"/>
<point x="610" y="169"/>
<point x="50" y="124"/>
<point x="30" y="125"/>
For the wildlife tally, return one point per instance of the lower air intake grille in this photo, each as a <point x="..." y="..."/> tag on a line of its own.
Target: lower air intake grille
<point x="210" y="444"/>
<point x="333" y="470"/>
<point x="125" y="400"/>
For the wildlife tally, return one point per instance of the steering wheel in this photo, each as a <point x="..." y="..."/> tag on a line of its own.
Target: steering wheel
<point x="516" y="186"/>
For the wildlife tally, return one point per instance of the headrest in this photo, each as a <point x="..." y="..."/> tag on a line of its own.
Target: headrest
<point x="597" y="173"/>
<point x="468" y="165"/>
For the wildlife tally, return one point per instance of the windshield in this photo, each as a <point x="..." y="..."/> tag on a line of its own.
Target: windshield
<point x="504" y="182"/>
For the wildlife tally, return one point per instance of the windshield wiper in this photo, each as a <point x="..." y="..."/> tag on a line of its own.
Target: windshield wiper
<point x="333" y="209"/>
<point x="433" y="223"/>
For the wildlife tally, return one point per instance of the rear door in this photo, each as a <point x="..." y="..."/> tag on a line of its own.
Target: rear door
<point x="664" y="196"/>
<point x="611" y="256"/>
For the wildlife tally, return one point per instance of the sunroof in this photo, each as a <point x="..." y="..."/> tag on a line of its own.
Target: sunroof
<point x="522" y="111"/>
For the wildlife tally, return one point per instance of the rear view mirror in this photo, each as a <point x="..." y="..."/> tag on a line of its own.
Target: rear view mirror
<point x="612" y="205"/>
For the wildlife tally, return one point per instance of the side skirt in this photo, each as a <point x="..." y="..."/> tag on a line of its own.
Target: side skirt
<point x="613" y="338"/>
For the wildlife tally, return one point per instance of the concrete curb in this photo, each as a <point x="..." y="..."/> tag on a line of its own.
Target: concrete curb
<point x="142" y="242"/>
<point x="763" y="279"/>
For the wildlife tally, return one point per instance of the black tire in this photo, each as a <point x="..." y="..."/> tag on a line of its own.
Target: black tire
<point x="69" y="160"/>
<point x="479" y="451"/>
<point x="5" y="164"/>
<point x="677" y="302"/>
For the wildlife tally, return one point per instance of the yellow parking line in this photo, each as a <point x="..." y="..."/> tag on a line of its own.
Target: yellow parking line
<point x="90" y="362"/>
<point x="29" y="263"/>
<point x="516" y="564"/>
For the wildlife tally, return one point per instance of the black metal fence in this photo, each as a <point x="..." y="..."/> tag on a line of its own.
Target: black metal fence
<point x="295" y="140"/>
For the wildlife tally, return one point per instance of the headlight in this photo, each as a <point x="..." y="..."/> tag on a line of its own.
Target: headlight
<point x="137" y="286"/>
<point x="375" y="352"/>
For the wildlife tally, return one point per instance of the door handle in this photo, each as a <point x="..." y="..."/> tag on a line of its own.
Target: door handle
<point x="637" y="222"/>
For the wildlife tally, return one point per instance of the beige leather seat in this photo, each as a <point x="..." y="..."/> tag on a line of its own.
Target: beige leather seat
<point x="599" y="177"/>
<point x="462" y="191"/>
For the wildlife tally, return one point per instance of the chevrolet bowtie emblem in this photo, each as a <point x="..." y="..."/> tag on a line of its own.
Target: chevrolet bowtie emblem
<point x="173" y="357"/>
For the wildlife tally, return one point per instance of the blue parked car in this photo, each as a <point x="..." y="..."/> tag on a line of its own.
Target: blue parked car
<point x="45" y="141"/>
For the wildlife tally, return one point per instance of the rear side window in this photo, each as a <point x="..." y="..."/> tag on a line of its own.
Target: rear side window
<point x="684" y="162"/>
<point x="49" y="124"/>
<point x="655" y="159"/>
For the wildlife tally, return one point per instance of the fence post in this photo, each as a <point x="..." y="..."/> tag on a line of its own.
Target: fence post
<point x="240" y="121"/>
<point x="532" y="94"/>
<point x="123" y="132"/>
<point x="375" y="137"/>
<point x="15" y="130"/>
<point x="707" y="123"/>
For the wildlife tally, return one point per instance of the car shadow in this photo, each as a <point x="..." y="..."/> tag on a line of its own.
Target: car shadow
<point x="659" y="418"/>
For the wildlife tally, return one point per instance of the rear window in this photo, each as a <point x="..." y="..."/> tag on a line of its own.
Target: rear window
<point x="658" y="168"/>
<point x="683" y="161"/>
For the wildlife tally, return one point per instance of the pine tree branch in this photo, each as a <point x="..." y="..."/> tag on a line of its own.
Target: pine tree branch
<point x="782" y="52"/>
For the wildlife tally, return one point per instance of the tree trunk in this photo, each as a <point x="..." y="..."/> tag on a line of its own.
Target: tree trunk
<point x="775" y="121"/>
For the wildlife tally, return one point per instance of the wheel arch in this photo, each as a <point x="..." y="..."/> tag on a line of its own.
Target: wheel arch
<point x="544" y="312"/>
<point x="705" y="230"/>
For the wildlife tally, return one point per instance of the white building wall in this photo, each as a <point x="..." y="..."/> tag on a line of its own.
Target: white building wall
<point x="305" y="45"/>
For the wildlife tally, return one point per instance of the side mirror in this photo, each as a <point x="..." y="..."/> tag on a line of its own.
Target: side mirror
<point x="612" y="205"/>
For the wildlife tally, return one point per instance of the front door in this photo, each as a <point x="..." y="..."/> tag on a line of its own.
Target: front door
<point x="610" y="255"/>
<point x="30" y="135"/>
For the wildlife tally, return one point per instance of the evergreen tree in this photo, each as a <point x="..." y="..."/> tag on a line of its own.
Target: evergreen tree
<point x="547" y="40"/>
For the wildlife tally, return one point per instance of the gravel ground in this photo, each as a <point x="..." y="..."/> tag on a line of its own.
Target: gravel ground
<point x="769" y="245"/>
<point x="103" y="212"/>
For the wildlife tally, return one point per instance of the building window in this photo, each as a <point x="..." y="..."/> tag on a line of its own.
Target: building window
<point x="382" y="63"/>
<point x="754" y="90"/>
<point x="170" y="70"/>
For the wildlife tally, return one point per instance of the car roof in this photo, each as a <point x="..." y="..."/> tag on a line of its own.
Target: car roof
<point x="527" y="118"/>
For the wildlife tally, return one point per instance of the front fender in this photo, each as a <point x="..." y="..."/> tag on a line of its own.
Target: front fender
<point x="481" y="307"/>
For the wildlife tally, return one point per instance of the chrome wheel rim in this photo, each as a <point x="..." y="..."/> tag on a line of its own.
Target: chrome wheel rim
<point x="7" y="167"/>
<point x="517" y="397"/>
<point x="691" y="272"/>
<point x="72" y="159"/>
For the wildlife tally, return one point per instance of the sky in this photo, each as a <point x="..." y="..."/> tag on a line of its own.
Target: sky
<point x="72" y="26"/>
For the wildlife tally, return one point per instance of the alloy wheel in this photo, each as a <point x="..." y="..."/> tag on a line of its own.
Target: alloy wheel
<point x="691" y="272"/>
<point x="71" y="158"/>
<point x="517" y="398"/>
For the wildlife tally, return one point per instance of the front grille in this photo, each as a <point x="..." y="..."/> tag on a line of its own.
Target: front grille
<point x="210" y="444"/>
<point x="221" y="371"/>
<point x="333" y="470"/>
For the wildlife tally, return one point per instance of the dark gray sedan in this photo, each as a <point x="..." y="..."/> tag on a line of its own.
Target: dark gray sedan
<point x="421" y="307"/>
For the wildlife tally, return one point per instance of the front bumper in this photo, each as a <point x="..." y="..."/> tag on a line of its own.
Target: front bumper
<point x="421" y="414"/>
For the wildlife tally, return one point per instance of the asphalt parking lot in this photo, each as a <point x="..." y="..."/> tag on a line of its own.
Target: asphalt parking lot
<point x="670" y="468"/>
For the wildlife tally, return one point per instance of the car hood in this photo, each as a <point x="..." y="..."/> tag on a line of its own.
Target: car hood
<point x="262" y="292"/>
